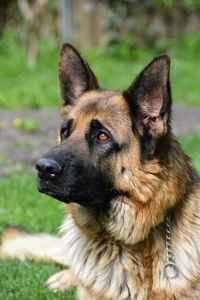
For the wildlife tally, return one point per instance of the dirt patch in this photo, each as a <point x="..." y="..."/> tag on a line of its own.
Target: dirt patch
<point x="19" y="147"/>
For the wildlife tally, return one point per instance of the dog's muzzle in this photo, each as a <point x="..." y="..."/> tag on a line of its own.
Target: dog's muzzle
<point x="66" y="176"/>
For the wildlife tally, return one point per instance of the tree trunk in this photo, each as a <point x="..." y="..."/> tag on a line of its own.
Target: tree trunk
<point x="33" y="16"/>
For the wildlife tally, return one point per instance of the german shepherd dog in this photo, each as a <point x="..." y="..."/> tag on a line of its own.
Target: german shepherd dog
<point x="133" y="224"/>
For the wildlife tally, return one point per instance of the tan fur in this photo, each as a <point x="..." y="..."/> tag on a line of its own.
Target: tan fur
<point x="121" y="255"/>
<point x="62" y="280"/>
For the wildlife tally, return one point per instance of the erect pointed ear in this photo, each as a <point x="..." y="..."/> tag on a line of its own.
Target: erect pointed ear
<point x="149" y="97"/>
<point x="75" y="75"/>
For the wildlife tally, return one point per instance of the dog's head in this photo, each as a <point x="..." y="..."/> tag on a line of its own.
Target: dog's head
<point x="109" y="141"/>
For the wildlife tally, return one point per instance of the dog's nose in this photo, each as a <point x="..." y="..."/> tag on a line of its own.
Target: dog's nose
<point x="47" y="167"/>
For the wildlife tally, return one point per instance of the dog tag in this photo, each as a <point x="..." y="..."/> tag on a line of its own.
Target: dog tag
<point x="170" y="270"/>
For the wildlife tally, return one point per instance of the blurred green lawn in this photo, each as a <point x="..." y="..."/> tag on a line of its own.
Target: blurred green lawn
<point x="21" y="204"/>
<point x="21" y="87"/>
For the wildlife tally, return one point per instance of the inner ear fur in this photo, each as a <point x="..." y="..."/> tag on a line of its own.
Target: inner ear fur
<point x="75" y="75"/>
<point x="149" y="98"/>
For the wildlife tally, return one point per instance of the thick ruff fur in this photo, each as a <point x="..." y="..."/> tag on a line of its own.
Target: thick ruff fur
<point x="117" y="252"/>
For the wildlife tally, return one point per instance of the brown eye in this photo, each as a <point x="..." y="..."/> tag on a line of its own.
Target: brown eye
<point x="65" y="133"/>
<point x="102" y="136"/>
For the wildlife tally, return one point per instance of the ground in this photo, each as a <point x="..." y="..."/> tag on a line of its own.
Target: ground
<point x="27" y="134"/>
<point x="24" y="144"/>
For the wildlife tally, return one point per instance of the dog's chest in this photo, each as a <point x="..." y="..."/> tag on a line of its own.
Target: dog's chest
<point x="118" y="272"/>
<point x="106" y="268"/>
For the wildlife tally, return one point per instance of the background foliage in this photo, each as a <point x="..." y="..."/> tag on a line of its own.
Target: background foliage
<point x="134" y="24"/>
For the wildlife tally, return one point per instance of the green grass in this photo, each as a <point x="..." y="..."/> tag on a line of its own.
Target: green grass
<point x="25" y="281"/>
<point x="28" y="125"/>
<point x="21" y="204"/>
<point x="191" y="145"/>
<point x="118" y="74"/>
<point x="22" y="87"/>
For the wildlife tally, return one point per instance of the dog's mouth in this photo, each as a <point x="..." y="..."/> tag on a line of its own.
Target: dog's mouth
<point x="73" y="193"/>
<point x="46" y="187"/>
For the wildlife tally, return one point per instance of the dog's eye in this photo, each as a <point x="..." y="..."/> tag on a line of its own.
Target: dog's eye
<point x="102" y="136"/>
<point x="64" y="133"/>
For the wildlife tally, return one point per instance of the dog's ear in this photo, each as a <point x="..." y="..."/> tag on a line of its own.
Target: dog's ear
<point x="75" y="75"/>
<point x="149" y="97"/>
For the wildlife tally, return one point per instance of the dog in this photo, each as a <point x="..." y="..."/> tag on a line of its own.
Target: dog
<point x="133" y="225"/>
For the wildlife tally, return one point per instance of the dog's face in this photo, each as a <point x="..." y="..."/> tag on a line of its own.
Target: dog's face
<point x="93" y="134"/>
<point x="107" y="138"/>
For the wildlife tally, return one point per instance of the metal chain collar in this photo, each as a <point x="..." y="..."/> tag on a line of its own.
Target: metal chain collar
<point x="170" y="269"/>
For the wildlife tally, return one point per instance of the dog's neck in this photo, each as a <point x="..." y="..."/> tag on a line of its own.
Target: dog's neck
<point x="130" y="220"/>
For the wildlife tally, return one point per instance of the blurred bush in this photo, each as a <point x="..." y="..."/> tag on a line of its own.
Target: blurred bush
<point x="132" y="24"/>
<point x="148" y="24"/>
